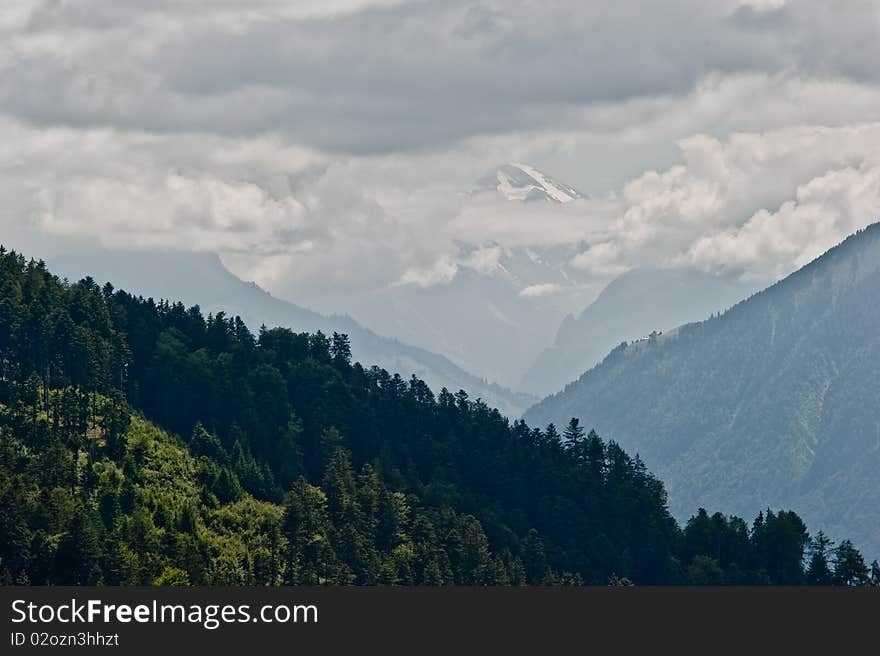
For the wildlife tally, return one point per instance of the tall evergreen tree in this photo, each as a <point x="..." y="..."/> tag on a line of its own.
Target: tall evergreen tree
<point x="819" y="569"/>
<point x="849" y="566"/>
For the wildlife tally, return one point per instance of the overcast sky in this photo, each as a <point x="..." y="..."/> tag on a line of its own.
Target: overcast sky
<point x="331" y="144"/>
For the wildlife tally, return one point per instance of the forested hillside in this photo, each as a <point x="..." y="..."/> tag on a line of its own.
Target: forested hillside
<point x="280" y="461"/>
<point x="633" y="305"/>
<point x="201" y="278"/>
<point x="776" y="401"/>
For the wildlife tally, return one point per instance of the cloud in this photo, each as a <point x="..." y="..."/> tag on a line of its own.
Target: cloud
<point x="756" y="205"/>
<point x="330" y="147"/>
<point x="379" y="77"/>
<point x="440" y="272"/>
<point x="542" y="289"/>
<point x="485" y="259"/>
<point x="603" y="258"/>
<point x="271" y="209"/>
<point x="773" y="243"/>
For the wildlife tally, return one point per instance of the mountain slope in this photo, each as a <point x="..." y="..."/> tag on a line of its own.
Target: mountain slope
<point x="631" y="306"/>
<point x="385" y="482"/>
<point x="776" y="402"/>
<point x="382" y="481"/>
<point x="158" y="510"/>
<point x="201" y="278"/>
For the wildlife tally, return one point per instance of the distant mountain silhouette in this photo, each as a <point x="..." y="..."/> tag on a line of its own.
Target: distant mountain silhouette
<point x="201" y="278"/>
<point x="633" y="305"/>
<point x="774" y="403"/>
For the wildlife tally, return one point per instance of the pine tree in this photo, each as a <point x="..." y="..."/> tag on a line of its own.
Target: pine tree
<point x="534" y="558"/>
<point x="340" y="349"/>
<point x="551" y="435"/>
<point x="306" y="525"/>
<point x="573" y="439"/>
<point x="80" y="551"/>
<point x="574" y="432"/>
<point x="818" y="570"/>
<point x="849" y="566"/>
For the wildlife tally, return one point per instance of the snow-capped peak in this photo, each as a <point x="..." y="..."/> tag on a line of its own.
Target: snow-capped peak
<point x="518" y="181"/>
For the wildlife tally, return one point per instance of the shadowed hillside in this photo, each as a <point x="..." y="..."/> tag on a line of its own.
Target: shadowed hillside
<point x="776" y="402"/>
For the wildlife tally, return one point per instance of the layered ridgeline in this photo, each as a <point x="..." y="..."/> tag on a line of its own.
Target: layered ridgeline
<point x="632" y="306"/>
<point x="494" y="319"/>
<point x="493" y="307"/>
<point x="776" y="402"/>
<point x="201" y="279"/>
<point x="297" y="466"/>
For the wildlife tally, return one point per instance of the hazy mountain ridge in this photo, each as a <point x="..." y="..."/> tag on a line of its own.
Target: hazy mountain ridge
<point x="776" y="402"/>
<point x="144" y="443"/>
<point x="201" y="278"/>
<point x="633" y="305"/>
<point x="499" y="307"/>
<point x="482" y="319"/>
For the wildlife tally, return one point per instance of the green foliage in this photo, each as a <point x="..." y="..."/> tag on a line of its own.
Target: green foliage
<point x="172" y="576"/>
<point x="819" y="569"/>
<point x="849" y="566"/>
<point x="300" y="467"/>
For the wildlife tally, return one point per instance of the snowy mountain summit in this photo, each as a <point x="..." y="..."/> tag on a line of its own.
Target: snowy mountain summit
<point x="517" y="181"/>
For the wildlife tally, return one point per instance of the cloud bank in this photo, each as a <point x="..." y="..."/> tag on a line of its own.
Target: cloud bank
<point x="332" y="146"/>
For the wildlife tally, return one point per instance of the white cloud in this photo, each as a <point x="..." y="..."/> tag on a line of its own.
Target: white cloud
<point x="485" y="259"/>
<point x="440" y="272"/>
<point x="541" y="289"/>
<point x="604" y="258"/>
<point x="773" y="243"/>
<point x="759" y="205"/>
<point x="329" y="146"/>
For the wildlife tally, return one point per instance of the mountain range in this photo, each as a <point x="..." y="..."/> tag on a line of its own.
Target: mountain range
<point x="633" y="305"/>
<point x="493" y="318"/>
<point x="775" y="402"/>
<point x="503" y="322"/>
<point x="502" y="306"/>
<point x="201" y="278"/>
<point x="144" y="443"/>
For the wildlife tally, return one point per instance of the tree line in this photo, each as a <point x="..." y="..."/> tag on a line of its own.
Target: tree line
<point x="297" y="465"/>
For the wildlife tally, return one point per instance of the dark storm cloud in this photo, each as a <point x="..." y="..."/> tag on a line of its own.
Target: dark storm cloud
<point x="413" y="75"/>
